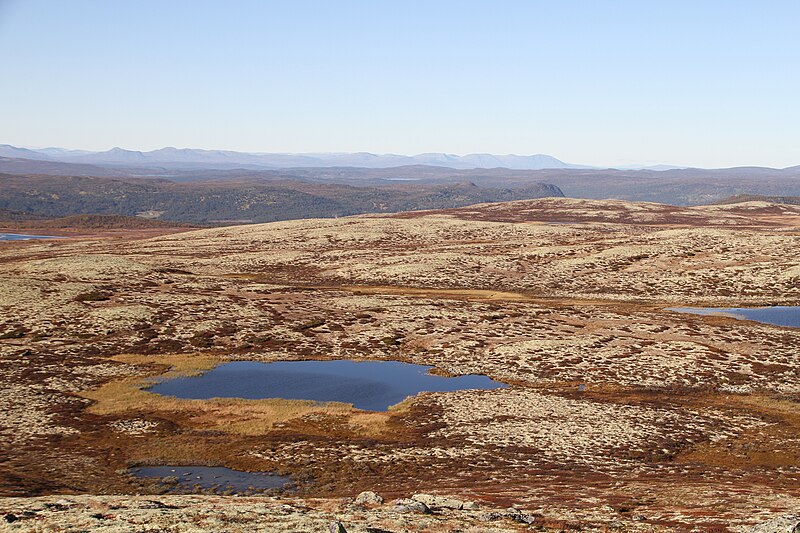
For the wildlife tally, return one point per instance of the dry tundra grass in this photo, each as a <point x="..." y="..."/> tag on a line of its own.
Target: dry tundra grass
<point x="621" y="414"/>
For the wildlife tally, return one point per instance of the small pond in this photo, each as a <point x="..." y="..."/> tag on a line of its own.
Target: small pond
<point x="369" y="385"/>
<point x="21" y="237"/>
<point x="778" y="315"/>
<point x="191" y="478"/>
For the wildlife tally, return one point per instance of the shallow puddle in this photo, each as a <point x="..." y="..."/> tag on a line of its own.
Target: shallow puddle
<point x="220" y="479"/>
<point x="21" y="237"/>
<point x="369" y="385"/>
<point x="777" y="316"/>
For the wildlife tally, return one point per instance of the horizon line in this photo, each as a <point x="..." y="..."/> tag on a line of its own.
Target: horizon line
<point x="588" y="166"/>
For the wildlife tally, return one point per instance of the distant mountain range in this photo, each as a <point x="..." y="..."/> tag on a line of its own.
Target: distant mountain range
<point x="170" y="158"/>
<point x="496" y="177"/>
<point x="184" y="158"/>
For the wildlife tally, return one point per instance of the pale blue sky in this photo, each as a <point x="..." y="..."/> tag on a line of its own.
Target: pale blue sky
<point x="694" y="82"/>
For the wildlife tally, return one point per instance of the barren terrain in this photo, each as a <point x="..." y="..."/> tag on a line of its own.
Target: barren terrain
<point x="621" y="414"/>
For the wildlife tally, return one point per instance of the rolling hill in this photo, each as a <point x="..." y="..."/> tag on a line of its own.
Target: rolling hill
<point x="237" y="200"/>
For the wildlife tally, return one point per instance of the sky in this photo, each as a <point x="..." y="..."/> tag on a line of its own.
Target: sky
<point x="712" y="83"/>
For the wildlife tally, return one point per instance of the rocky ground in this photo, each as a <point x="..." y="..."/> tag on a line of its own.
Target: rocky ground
<point x="621" y="414"/>
<point x="368" y="514"/>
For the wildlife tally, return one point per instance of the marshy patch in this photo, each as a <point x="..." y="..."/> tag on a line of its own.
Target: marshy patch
<point x="133" y="397"/>
<point x="188" y="479"/>
<point x="367" y="385"/>
<point x="130" y="396"/>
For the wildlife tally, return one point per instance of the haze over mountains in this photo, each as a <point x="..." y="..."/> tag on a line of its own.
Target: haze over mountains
<point x="225" y="159"/>
<point x="192" y="158"/>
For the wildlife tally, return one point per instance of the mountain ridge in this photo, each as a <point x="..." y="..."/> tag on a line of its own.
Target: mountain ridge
<point x="172" y="157"/>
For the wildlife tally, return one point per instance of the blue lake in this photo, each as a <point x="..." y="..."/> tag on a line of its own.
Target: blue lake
<point x="778" y="315"/>
<point x="368" y="385"/>
<point x="213" y="477"/>
<point x="21" y="237"/>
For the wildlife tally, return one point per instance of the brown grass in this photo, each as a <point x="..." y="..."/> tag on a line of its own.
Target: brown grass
<point x="776" y="445"/>
<point x="481" y="295"/>
<point x="173" y="366"/>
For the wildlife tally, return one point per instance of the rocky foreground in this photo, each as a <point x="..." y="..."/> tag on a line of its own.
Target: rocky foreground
<point x="367" y="513"/>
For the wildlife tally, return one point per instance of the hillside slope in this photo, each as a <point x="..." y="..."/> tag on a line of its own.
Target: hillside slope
<point x="237" y="201"/>
<point x="739" y="198"/>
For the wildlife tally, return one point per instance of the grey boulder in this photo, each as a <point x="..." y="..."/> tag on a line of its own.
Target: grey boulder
<point x="444" y="502"/>
<point x="368" y="498"/>
<point x="407" y="505"/>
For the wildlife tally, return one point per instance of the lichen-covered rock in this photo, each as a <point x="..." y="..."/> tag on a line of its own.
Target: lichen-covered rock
<point x="407" y="505"/>
<point x="444" y="502"/>
<point x="781" y="524"/>
<point x="491" y="516"/>
<point x="368" y="498"/>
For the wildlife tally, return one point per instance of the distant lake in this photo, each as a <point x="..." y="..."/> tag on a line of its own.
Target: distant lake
<point x="369" y="385"/>
<point x="21" y="237"/>
<point x="777" y="315"/>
